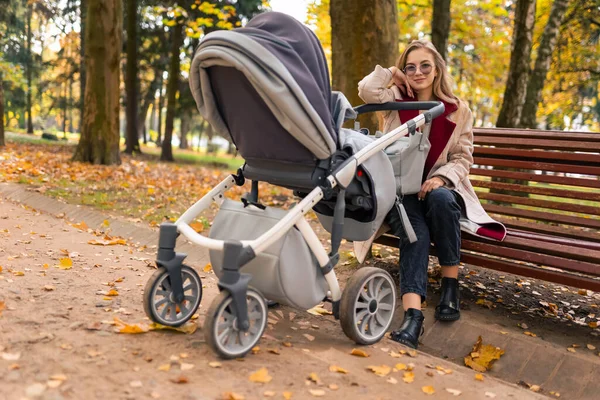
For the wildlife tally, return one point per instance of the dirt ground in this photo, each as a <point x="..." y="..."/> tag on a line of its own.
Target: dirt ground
<point x="58" y="339"/>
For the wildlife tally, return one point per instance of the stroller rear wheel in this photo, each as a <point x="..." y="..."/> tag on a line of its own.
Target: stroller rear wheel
<point x="221" y="330"/>
<point x="367" y="305"/>
<point x="159" y="303"/>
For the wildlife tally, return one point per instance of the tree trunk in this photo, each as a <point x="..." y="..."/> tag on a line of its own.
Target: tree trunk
<point x="440" y="26"/>
<point x="99" y="143"/>
<point x="70" y="103"/>
<point x="83" y="13"/>
<point x="364" y="33"/>
<point x="172" y="87"/>
<point x="209" y="136"/>
<point x="520" y="58"/>
<point x="132" y="143"/>
<point x="2" y="144"/>
<point x="29" y="67"/>
<point x="64" y="107"/>
<point x="161" y="100"/>
<point x="542" y="64"/>
<point x="148" y="100"/>
<point x="186" y="119"/>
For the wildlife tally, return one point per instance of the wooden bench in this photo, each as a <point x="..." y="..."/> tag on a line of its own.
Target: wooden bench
<point x="545" y="187"/>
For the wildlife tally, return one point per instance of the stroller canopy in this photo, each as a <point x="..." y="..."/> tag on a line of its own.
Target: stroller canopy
<point x="267" y="86"/>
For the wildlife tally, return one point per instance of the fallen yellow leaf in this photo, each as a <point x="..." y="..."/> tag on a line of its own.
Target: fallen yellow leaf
<point x="48" y="288"/>
<point x="591" y="347"/>
<point x="313" y="377"/>
<point x="65" y="263"/>
<point x="530" y="334"/>
<point x="382" y="370"/>
<point x="207" y="268"/>
<point x="180" y="379"/>
<point x="333" y="386"/>
<point x="287" y="395"/>
<point x="215" y="364"/>
<point x="185" y="366"/>
<point x="18" y="273"/>
<point x="535" y="388"/>
<point x="197" y="226"/>
<point x="123" y="327"/>
<point x="479" y="377"/>
<point x="82" y="225"/>
<point x="165" y="367"/>
<point x="392" y="380"/>
<point x="359" y="353"/>
<point x="335" y="368"/>
<point x="317" y="392"/>
<point x="105" y="223"/>
<point x="232" y="396"/>
<point x="408" y="377"/>
<point x="428" y="389"/>
<point x="482" y="356"/>
<point x="112" y="292"/>
<point x="395" y="355"/>
<point x="189" y="327"/>
<point x="319" y="310"/>
<point x="572" y="350"/>
<point x="261" y="376"/>
<point x="269" y="393"/>
<point x="593" y="324"/>
<point x="255" y="350"/>
<point x="453" y="392"/>
<point x="400" y="366"/>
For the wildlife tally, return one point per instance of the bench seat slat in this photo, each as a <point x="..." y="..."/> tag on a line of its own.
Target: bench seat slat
<point x="544" y="247"/>
<point x="537" y="165"/>
<point x="569" y="194"/>
<point x="586" y="267"/>
<point x="527" y="201"/>
<point x="532" y="133"/>
<point x="528" y="176"/>
<point x="555" y="156"/>
<point x="591" y="147"/>
<point x="572" y="242"/>
<point x="543" y="216"/>
<point x="561" y="277"/>
<point x="588" y="236"/>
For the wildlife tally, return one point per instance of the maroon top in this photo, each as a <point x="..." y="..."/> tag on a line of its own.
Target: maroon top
<point x="439" y="135"/>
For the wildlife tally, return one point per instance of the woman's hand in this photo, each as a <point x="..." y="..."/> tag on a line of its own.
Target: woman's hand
<point x="401" y="81"/>
<point x="429" y="185"/>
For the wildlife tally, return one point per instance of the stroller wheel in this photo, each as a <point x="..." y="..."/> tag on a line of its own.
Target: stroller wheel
<point x="221" y="330"/>
<point x="367" y="305"/>
<point x="159" y="304"/>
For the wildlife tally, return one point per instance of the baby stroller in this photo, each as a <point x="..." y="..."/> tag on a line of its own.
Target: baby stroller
<point x="267" y="86"/>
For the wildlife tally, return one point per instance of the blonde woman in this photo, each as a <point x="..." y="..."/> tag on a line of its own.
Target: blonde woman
<point x="447" y="200"/>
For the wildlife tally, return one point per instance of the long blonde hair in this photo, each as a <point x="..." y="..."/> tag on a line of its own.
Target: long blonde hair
<point x="442" y="83"/>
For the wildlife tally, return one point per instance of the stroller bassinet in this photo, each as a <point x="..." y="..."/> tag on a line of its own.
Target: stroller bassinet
<point x="267" y="87"/>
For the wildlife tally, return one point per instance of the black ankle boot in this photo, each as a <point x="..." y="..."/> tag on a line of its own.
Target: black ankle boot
<point x="449" y="307"/>
<point x="411" y="329"/>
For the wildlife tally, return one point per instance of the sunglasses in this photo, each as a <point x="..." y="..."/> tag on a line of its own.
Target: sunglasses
<point x="411" y="69"/>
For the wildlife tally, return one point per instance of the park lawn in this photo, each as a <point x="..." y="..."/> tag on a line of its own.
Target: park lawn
<point x="141" y="188"/>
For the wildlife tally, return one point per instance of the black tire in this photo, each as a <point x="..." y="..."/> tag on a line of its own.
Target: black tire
<point x="160" y="277"/>
<point x="378" y="315"/>
<point x="220" y="306"/>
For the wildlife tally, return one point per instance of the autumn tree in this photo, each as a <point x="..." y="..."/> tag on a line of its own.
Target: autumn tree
<point x="364" y="33"/>
<point x="542" y="64"/>
<point x="99" y="143"/>
<point x="440" y="26"/>
<point x="518" y="73"/>
<point x="132" y="143"/>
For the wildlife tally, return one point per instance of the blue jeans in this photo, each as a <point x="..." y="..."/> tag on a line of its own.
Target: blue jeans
<point x="434" y="219"/>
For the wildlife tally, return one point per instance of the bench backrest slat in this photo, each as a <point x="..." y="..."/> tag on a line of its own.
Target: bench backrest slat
<point x="542" y="216"/>
<point x="529" y="176"/>
<point x="591" y="147"/>
<point x="568" y="194"/>
<point x="537" y="165"/>
<point x="590" y="159"/>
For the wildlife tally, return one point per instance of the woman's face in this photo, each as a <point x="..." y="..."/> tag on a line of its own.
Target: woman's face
<point x="420" y="69"/>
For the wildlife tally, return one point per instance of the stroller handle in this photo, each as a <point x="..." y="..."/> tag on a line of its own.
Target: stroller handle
<point x="435" y="108"/>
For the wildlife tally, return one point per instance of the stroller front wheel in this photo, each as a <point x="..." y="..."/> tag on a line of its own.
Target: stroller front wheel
<point x="159" y="302"/>
<point x="221" y="330"/>
<point x="367" y="305"/>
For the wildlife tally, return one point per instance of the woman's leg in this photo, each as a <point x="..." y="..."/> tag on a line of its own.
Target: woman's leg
<point x="443" y="212"/>
<point x="414" y="259"/>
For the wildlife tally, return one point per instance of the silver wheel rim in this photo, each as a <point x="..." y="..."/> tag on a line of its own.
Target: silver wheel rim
<point x="374" y="307"/>
<point x="232" y="341"/>
<point x="166" y="310"/>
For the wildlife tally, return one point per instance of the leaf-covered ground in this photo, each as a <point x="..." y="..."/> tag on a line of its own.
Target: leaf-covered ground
<point x="140" y="188"/>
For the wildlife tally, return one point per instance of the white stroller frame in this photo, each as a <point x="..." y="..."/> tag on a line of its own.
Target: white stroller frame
<point x="233" y="284"/>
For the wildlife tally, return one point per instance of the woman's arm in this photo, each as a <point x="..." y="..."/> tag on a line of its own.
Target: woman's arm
<point x="460" y="156"/>
<point x="373" y="88"/>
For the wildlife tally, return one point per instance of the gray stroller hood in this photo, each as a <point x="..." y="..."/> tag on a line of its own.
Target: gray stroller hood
<point x="273" y="76"/>
<point x="267" y="87"/>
